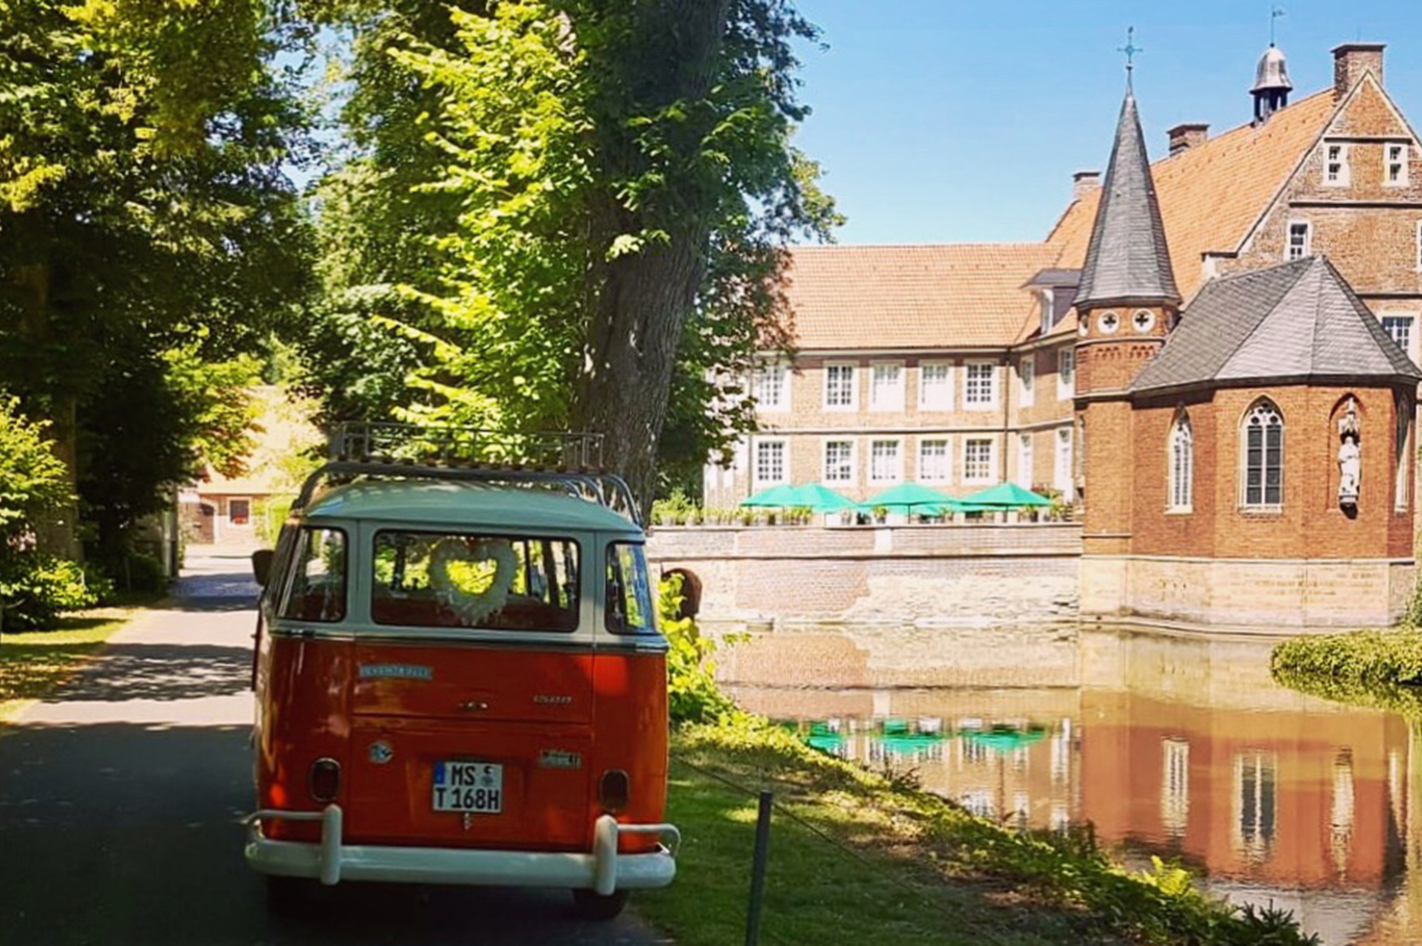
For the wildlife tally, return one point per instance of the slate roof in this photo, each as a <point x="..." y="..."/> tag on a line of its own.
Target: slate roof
<point x="1295" y="320"/>
<point x="963" y="295"/>
<point x="1211" y="194"/>
<point x="1128" y="257"/>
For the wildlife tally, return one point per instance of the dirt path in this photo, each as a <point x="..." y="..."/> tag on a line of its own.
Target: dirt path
<point x="119" y="801"/>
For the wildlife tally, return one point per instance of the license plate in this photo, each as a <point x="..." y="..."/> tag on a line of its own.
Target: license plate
<point x="469" y="786"/>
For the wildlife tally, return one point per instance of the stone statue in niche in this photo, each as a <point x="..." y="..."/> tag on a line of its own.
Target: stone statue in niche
<point x="1350" y="456"/>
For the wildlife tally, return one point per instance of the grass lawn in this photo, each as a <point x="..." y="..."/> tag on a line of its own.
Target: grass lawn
<point x="32" y="664"/>
<point x="903" y="866"/>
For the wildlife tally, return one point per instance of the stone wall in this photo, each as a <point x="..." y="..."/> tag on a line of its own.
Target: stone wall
<point x="925" y="576"/>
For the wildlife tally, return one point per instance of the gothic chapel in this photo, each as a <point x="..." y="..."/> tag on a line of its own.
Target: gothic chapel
<point x="1249" y="457"/>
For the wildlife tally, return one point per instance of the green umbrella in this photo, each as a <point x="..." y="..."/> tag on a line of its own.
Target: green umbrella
<point x="1006" y="496"/>
<point x="819" y="498"/>
<point x="1005" y="738"/>
<point x="774" y="496"/>
<point x="909" y="497"/>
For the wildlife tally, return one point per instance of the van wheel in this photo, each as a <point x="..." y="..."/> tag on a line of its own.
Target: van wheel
<point x="595" y="906"/>
<point x="289" y="896"/>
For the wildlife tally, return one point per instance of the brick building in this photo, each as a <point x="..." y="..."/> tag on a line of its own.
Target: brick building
<point x="1296" y="239"/>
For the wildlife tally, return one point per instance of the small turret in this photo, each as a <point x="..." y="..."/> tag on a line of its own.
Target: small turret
<point x="1271" y="84"/>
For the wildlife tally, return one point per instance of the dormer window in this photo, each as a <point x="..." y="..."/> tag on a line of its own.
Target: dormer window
<point x="1335" y="168"/>
<point x="1396" y="170"/>
<point x="1048" y="307"/>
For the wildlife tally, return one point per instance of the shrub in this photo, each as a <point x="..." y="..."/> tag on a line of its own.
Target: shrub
<point x="145" y="573"/>
<point x="1365" y="657"/>
<point x="692" y="692"/>
<point x="36" y="589"/>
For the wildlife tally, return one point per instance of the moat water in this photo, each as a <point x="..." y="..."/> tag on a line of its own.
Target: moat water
<point x="1169" y="745"/>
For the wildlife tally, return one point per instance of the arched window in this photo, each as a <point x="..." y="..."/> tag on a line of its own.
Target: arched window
<point x="1263" y="455"/>
<point x="1182" y="465"/>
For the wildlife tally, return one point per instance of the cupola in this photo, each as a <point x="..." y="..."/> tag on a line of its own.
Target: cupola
<point x="1271" y="83"/>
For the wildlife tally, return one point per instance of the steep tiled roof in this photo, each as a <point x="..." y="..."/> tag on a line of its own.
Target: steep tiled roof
<point x="1127" y="258"/>
<point x="1211" y="194"/>
<point x="932" y="296"/>
<point x="1294" y="320"/>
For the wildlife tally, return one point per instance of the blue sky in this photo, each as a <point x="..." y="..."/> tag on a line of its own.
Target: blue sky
<point x="950" y="120"/>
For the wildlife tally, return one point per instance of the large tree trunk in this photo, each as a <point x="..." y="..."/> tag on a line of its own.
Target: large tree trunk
<point x="640" y="301"/>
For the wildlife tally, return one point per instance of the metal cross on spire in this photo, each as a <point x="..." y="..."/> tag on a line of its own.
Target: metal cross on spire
<point x="1274" y="14"/>
<point x="1130" y="49"/>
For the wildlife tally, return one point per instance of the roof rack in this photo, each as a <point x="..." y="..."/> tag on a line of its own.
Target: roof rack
<point x="503" y="464"/>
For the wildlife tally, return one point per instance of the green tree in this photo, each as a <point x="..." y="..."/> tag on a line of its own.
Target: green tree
<point x="607" y="189"/>
<point x="143" y="206"/>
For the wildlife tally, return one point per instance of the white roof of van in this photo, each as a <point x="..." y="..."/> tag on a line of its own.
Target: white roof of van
<point x="450" y="502"/>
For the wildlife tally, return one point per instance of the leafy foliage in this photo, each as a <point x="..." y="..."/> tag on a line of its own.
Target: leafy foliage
<point x="32" y="479"/>
<point x="1388" y="657"/>
<point x="692" y="692"/>
<point x="35" y="589"/>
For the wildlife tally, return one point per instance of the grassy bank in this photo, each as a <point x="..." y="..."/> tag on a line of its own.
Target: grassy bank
<point x="856" y="858"/>
<point x="1387" y="658"/>
<point x="32" y="665"/>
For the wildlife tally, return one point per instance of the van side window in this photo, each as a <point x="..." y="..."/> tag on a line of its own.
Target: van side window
<point x="630" y="609"/>
<point x="315" y="589"/>
<point x="490" y="582"/>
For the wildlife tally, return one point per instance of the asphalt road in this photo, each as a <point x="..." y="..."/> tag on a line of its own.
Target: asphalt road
<point x="120" y="800"/>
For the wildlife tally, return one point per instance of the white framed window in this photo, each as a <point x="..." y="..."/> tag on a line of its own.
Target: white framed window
<point x="772" y="388"/>
<point x="1048" y="302"/>
<point x="978" y="460"/>
<point x="841" y="388"/>
<point x="1336" y="172"/>
<point x="1419" y="247"/>
<point x="1024" y="461"/>
<point x="1061" y="466"/>
<point x="1182" y="466"/>
<point x="1027" y="375"/>
<point x="1404" y="410"/>
<point x="886" y="387"/>
<point x="1066" y="373"/>
<point x="934" y="462"/>
<point x="839" y="461"/>
<point x="772" y="463"/>
<point x="1262" y="457"/>
<point x="886" y="462"/>
<point x="1400" y="328"/>
<point x="980" y="385"/>
<point x="935" y="386"/>
<point x="1255" y="803"/>
<point x="1395" y="167"/>
<point x="1175" y="787"/>
<point x="1300" y="242"/>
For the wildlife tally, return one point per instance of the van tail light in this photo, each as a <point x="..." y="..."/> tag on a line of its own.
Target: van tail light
<point x="325" y="779"/>
<point x="613" y="790"/>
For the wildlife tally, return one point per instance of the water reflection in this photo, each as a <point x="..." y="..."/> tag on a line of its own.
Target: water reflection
<point x="1166" y="745"/>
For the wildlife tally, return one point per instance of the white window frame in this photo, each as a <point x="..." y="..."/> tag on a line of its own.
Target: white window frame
<point x="1180" y="481"/>
<point x="895" y="400"/>
<point x="947" y="476"/>
<point x="1419" y="246"/>
<point x="1066" y="373"/>
<point x="1405" y="409"/>
<point x="1025" y="461"/>
<point x="1404" y="161"/>
<point x="944" y="403"/>
<point x="991" y="402"/>
<point x="853" y="404"/>
<point x="1411" y="319"/>
<point x="782" y="403"/>
<point x="784" y="461"/>
<point x="1345" y="169"/>
<point x="1048" y="302"/>
<point x="1289" y="240"/>
<point x="853" y="461"/>
<point x="1263" y="504"/>
<point x="1027" y="378"/>
<point x="991" y="476"/>
<point x="898" y="474"/>
<point x="1063" y="461"/>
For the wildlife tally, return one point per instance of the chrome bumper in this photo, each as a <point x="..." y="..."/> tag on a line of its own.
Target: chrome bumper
<point x="331" y="861"/>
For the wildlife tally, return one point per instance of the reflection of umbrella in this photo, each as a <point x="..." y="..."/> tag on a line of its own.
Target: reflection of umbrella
<point x="1004" y="739"/>
<point x="773" y="496"/>
<point x="1007" y="496"/>
<point x="823" y="738"/>
<point x="819" y="498"/>
<point x="910" y="497"/>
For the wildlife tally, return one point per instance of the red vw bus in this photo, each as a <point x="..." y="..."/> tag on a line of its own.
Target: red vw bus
<point x="459" y="680"/>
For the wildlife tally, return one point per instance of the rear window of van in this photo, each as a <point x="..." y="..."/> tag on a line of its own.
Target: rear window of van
<point x="466" y="580"/>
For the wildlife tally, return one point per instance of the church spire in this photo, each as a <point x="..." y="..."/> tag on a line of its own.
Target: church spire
<point x="1127" y="260"/>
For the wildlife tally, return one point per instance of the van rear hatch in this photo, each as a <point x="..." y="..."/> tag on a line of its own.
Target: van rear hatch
<point x="470" y="744"/>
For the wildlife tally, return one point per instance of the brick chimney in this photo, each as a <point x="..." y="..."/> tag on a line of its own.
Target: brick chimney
<point x="1351" y="60"/>
<point x="1186" y="136"/>
<point x="1084" y="182"/>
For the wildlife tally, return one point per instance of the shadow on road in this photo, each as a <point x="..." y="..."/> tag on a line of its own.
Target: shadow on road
<point x="164" y="672"/>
